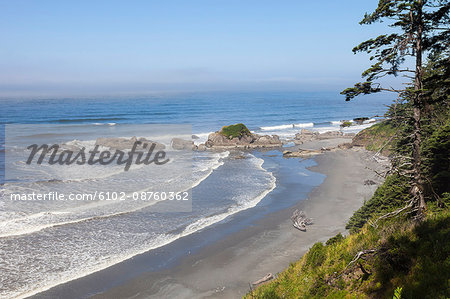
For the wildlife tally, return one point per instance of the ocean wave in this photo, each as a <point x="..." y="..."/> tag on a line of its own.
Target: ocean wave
<point x="87" y="119"/>
<point x="213" y="165"/>
<point x="304" y="125"/>
<point x="39" y="221"/>
<point x="202" y="137"/>
<point x="36" y="222"/>
<point x="153" y="243"/>
<point x="354" y="128"/>
<point x="103" y="124"/>
<point x="208" y="221"/>
<point x="288" y="126"/>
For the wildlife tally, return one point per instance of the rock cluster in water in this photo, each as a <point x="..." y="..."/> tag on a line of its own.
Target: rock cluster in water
<point x="241" y="137"/>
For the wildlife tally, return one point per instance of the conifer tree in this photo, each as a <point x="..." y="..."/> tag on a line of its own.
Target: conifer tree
<point x="420" y="27"/>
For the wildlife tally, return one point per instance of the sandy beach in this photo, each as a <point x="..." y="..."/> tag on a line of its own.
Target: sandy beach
<point x="209" y="265"/>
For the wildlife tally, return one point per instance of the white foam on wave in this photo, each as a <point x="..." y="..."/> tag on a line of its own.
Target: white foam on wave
<point x="202" y="138"/>
<point x="157" y="242"/>
<point x="304" y="125"/>
<point x="51" y="282"/>
<point x="368" y="121"/>
<point x="22" y="225"/>
<point x="39" y="221"/>
<point x="280" y="127"/>
<point x="211" y="166"/>
<point x="288" y="126"/>
<point x="103" y="124"/>
<point x="207" y="221"/>
<point x="357" y="128"/>
<point x="350" y="129"/>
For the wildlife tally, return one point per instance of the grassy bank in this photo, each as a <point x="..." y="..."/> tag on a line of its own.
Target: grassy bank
<point x="406" y="255"/>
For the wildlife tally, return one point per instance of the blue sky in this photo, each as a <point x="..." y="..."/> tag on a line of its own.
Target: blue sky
<point x="139" y="46"/>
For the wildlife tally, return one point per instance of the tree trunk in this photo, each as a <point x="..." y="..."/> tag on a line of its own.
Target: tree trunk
<point x="418" y="180"/>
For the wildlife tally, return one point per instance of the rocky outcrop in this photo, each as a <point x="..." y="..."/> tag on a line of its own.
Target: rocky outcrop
<point x="181" y="144"/>
<point x="119" y="143"/>
<point x="267" y="141"/>
<point x="301" y="153"/>
<point x="360" y="120"/>
<point x="345" y="145"/>
<point x="238" y="136"/>
<point x="305" y="136"/>
<point x="217" y="140"/>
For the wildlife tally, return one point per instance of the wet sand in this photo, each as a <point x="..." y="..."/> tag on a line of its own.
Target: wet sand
<point x="221" y="262"/>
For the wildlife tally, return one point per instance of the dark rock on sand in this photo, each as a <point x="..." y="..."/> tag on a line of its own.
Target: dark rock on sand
<point x="369" y="182"/>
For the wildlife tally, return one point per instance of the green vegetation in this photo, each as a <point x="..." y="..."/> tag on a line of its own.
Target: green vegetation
<point x="404" y="256"/>
<point x="393" y="193"/>
<point x="436" y="164"/>
<point x="397" y="293"/>
<point x="398" y="246"/>
<point x="378" y="137"/>
<point x="346" y="124"/>
<point x="237" y="130"/>
<point x="419" y="28"/>
<point x="410" y="256"/>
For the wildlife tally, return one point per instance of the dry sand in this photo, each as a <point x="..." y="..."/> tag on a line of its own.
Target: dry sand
<point x="225" y="268"/>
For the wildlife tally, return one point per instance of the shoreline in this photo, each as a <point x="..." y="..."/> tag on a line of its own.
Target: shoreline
<point x="224" y="266"/>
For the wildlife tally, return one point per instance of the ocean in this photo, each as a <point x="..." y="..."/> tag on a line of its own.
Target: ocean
<point x="44" y="244"/>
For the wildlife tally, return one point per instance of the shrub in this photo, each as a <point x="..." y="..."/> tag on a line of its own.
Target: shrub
<point x="378" y="137"/>
<point x="392" y="194"/>
<point x="316" y="255"/>
<point x="237" y="130"/>
<point x="335" y="239"/>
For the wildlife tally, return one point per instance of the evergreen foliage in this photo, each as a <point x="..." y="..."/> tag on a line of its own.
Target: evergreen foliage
<point x="237" y="130"/>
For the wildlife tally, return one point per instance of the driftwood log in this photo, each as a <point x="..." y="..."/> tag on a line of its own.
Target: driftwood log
<point x="268" y="277"/>
<point x="299" y="220"/>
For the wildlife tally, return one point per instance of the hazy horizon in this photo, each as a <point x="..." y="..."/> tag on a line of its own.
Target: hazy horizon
<point x="54" y="48"/>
